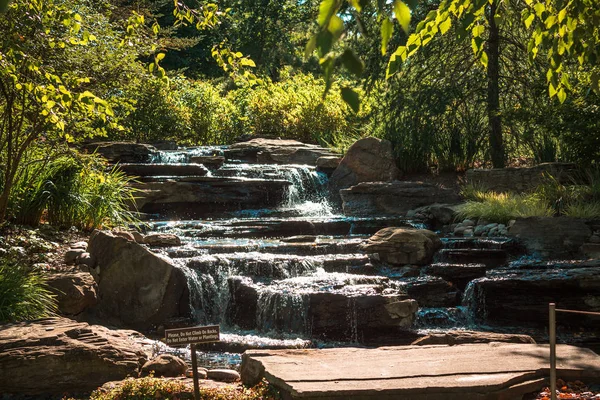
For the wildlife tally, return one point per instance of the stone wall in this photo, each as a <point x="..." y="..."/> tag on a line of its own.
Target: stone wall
<point x="519" y="179"/>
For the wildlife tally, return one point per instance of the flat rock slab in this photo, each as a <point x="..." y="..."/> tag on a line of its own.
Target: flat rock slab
<point x="470" y="371"/>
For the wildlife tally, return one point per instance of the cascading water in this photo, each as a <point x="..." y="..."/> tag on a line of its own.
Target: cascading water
<point x="291" y="270"/>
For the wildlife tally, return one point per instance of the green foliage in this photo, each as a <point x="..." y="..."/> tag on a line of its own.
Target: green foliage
<point x="293" y="109"/>
<point x="155" y="388"/>
<point x="502" y="207"/>
<point x="583" y="210"/>
<point x="23" y="294"/>
<point x="73" y="191"/>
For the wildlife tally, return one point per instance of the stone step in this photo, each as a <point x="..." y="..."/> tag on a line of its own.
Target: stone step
<point x="464" y="372"/>
<point x="170" y="170"/>
<point x="196" y="197"/>
<point x="491" y="258"/>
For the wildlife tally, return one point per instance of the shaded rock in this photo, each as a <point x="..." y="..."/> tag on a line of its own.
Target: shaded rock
<point x="551" y="236"/>
<point x="367" y="160"/>
<point x="591" y="250"/>
<point x="491" y="258"/>
<point x="136" y="287"/>
<point x="156" y="169"/>
<point x="195" y="197"/>
<point x="124" y="234"/>
<point x="123" y="152"/>
<point x="72" y="254"/>
<point x="520" y="179"/>
<point x="328" y="306"/>
<point x="401" y="246"/>
<point x="521" y="297"/>
<point x="276" y="151"/>
<point x="223" y="375"/>
<point x="394" y="198"/>
<point x="138" y="237"/>
<point x="58" y="356"/>
<point x="211" y="162"/>
<point x="437" y="215"/>
<point x="458" y="274"/>
<point x="79" y="245"/>
<point x="162" y="239"/>
<point x="165" y="365"/>
<point x="243" y="303"/>
<point x="165" y="145"/>
<point x="452" y="338"/>
<point x="328" y="164"/>
<point x="85" y="259"/>
<point x="432" y="292"/>
<point x="75" y="292"/>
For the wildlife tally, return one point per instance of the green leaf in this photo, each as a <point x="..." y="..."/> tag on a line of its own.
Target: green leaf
<point x="529" y="20"/>
<point x="402" y="13"/>
<point x="327" y="9"/>
<point x="562" y="95"/>
<point x="484" y="59"/>
<point x="310" y="46"/>
<point x="551" y="90"/>
<point x="324" y="42"/>
<point x="445" y="25"/>
<point x="387" y="29"/>
<point x="336" y="27"/>
<point x="352" y="62"/>
<point x="351" y="98"/>
<point x="160" y="56"/>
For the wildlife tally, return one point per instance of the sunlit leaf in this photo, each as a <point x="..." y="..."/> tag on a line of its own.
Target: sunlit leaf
<point x="402" y="14"/>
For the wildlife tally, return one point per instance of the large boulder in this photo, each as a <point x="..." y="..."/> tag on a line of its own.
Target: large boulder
<point x="551" y="236"/>
<point x="136" y="287"/>
<point x="75" y="291"/>
<point x="397" y="198"/>
<point x="367" y="160"/>
<point x="123" y="152"/>
<point x="276" y="151"/>
<point x="58" y="356"/>
<point x="401" y="246"/>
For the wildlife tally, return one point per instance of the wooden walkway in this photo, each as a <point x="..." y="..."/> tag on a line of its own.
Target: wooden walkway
<point x="472" y="371"/>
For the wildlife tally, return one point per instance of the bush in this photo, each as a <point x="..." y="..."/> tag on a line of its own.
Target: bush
<point x="23" y="294"/>
<point x="502" y="207"/>
<point x="154" y="388"/>
<point x="583" y="210"/>
<point x="73" y="191"/>
<point x="293" y="109"/>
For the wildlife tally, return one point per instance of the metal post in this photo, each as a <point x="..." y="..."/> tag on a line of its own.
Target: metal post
<point x="552" y="339"/>
<point x="195" y="372"/>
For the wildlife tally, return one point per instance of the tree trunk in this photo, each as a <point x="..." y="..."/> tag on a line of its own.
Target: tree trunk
<point x="493" y="90"/>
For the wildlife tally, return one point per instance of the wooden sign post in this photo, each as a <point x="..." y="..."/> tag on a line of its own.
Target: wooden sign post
<point x="193" y="336"/>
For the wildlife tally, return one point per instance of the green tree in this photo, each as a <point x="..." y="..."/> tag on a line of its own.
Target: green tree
<point x="39" y="96"/>
<point x="563" y="31"/>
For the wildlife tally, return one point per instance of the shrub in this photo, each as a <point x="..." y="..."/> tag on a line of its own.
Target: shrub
<point x="23" y="294"/>
<point x="73" y="191"/>
<point x="293" y="109"/>
<point x="583" y="210"/>
<point x="154" y="388"/>
<point x="502" y="207"/>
